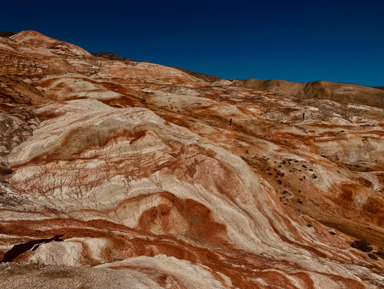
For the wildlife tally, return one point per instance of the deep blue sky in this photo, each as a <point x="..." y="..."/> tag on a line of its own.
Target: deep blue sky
<point x="296" y="40"/>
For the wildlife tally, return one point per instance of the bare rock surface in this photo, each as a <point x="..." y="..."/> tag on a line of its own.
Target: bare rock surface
<point x="341" y="92"/>
<point x="155" y="178"/>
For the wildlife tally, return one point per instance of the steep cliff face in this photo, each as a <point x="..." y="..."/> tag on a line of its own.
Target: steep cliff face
<point x="144" y="176"/>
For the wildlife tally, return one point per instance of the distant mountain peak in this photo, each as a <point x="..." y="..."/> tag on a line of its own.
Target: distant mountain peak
<point x="37" y="39"/>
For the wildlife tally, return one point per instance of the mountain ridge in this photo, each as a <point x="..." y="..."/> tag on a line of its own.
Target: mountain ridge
<point x="337" y="91"/>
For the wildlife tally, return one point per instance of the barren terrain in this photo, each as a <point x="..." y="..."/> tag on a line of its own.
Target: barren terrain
<point x="123" y="174"/>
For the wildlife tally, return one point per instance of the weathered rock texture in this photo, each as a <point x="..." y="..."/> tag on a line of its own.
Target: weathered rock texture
<point x="341" y="92"/>
<point x="158" y="179"/>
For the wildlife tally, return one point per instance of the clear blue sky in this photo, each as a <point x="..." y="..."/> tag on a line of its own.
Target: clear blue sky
<point x="296" y="40"/>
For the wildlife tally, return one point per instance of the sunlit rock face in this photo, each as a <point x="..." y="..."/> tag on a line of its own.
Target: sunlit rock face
<point x="153" y="178"/>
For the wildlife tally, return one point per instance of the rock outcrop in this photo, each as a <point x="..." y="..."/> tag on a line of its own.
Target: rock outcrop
<point x="154" y="178"/>
<point x="6" y="33"/>
<point x="112" y="56"/>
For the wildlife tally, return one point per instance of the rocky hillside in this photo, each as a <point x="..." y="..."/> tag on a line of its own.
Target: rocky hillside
<point x="340" y="92"/>
<point x="124" y="174"/>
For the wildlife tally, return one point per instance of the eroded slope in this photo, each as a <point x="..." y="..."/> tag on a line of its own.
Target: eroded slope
<point x="162" y="179"/>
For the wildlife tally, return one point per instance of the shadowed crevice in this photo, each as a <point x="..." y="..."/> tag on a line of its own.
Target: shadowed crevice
<point x="19" y="249"/>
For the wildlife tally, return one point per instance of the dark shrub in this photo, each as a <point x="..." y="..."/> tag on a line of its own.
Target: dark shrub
<point x="362" y="245"/>
<point x="373" y="256"/>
